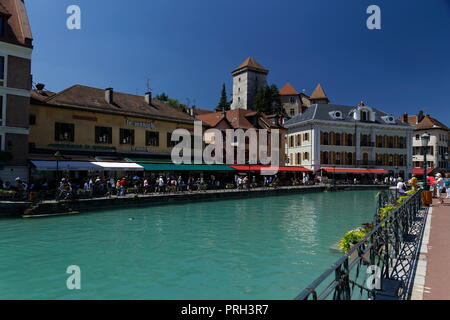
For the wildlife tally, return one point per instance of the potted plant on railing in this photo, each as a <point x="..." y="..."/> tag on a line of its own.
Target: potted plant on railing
<point x="353" y="237"/>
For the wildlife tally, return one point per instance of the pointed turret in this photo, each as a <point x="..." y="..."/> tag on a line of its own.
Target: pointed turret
<point x="319" y="96"/>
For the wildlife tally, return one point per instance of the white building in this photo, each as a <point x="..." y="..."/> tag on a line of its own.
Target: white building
<point x="348" y="139"/>
<point x="438" y="146"/>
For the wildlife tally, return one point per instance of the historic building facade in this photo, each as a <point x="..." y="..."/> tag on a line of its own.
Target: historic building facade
<point x="332" y="136"/>
<point x="86" y="122"/>
<point x="438" y="146"/>
<point x="245" y="120"/>
<point x="15" y="85"/>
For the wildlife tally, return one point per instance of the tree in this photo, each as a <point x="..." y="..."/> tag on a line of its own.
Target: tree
<point x="267" y="100"/>
<point x="162" y="97"/>
<point x="223" y="103"/>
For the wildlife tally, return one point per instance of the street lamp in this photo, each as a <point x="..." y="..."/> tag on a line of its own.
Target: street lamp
<point x="425" y="141"/>
<point x="447" y="157"/>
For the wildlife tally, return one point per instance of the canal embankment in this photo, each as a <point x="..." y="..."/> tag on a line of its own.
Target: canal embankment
<point x="13" y="209"/>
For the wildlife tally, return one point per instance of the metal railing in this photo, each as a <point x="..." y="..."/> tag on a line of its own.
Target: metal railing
<point x="347" y="279"/>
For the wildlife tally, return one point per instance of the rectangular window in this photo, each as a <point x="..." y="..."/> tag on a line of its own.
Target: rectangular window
<point x="127" y="136"/>
<point x="103" y="135"/>
<point x="2" y="26"/>
<point x="64" y="132"/>
<point x="2" y="108"/>
<point x="2" y="144"/>
<point x="152" y="139"/>
<point x="2" y="70"/>
<point x="32" y="120"/>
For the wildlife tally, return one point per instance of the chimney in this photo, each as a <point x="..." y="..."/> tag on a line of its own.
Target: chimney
<point x="193" y="112"/>
<point x="405" y="117"/>
<point x="109" y="95"/>
<point x="420" y="117"/>
<point x="148" y="98"/>
<point x="40" y="87"/>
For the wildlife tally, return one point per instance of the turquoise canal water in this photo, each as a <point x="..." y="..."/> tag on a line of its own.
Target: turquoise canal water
<point x="262" y="248"/>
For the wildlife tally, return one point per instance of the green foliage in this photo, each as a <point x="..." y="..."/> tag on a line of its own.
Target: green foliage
<point x="351" y="238"/>
<point x="411" y="192"/>
<point x="403" y="199"/>
<point x="223" y="103"/>
<point x="162" y="97"/>
<point x="384" y="212"/>
<point x="267" y="100"/>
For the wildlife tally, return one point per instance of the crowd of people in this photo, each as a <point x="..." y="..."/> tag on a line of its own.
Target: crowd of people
<point x="439" y="186"/>
<point x="95" y="186"/>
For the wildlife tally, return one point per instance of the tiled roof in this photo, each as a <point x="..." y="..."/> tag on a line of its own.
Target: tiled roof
<point x="427" y="122"/>
<point x="252" y="64"/>
<point x="239" y="119"/>
<point x="202" y="111"/>
<point x="288" y="90"/>
<point x="319" y="93"/>
<point x="322" y="112"/>
<point x="18" y="30"/>
<point x="93" y="99"/>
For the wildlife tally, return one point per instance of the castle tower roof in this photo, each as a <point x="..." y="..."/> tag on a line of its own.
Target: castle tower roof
<point x="250" y="64"/>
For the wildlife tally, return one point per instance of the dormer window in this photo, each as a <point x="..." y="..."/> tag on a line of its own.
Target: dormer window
<point x="365" y="115"/>
<point x="388" y="119"/>
<point x="336" y="115"/>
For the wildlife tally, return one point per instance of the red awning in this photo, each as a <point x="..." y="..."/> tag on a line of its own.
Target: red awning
<point x="419" y="171"/>
<point x="355" y="170"/>
<point x="279" y="169"/>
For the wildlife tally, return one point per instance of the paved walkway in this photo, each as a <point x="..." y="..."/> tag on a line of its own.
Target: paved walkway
<point x="437" y="279"/>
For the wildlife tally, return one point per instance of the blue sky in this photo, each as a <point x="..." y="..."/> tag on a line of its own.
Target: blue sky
<point x="188" y="48"/>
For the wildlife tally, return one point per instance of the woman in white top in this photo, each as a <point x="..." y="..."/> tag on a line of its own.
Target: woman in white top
<point x="440" y="185"/>
<point x="401" y="187"/>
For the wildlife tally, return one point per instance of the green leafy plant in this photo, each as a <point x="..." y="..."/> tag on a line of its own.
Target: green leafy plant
<point x="352" y="238"/>
<point x="403" y="199"/>
<point x="383" y="213"/>
<point x="410" y="192"/>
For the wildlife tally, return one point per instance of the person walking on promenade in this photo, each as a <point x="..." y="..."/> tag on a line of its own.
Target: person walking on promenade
<point x="447" y="185"/>
<point x="440" y="185"/>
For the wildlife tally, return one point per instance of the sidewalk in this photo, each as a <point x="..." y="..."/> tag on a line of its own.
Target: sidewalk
<point x="437" y="280"/>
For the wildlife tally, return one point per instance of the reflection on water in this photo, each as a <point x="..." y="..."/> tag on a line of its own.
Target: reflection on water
<point x="262" y="248"/>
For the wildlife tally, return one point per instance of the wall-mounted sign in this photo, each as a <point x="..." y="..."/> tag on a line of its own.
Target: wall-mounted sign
<point x="149" y="125"/>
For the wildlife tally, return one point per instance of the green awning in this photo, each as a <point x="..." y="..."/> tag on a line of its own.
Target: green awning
<point x="150" y="160"/>
<point x="185" y="167"/>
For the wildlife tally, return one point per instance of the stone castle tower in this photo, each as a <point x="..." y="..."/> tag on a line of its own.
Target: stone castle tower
<point x="247" y="78"/>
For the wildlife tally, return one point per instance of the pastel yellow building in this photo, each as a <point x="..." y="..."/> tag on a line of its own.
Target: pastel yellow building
<point x="89" y="122"/>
